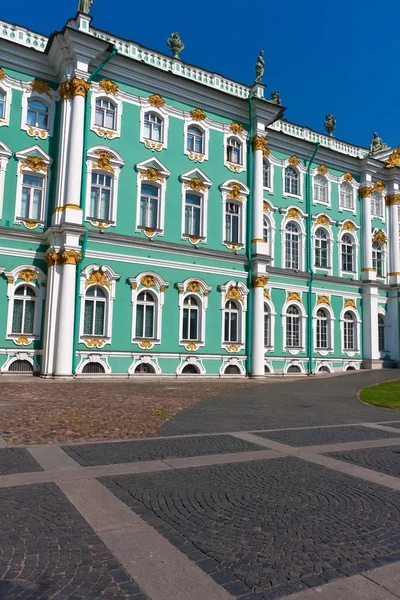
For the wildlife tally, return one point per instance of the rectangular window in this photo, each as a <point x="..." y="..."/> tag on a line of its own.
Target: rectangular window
<point x="2" y="105"/>
<point x="349" y="342"/>
<point x="32" y="197"/>
<point x="100" y="196"/>
<point x="144" y="321"/>
<point x="292" y="332"/>
<point x="232" y="222"/>
<point x="376" y="206"/>
<point x="266" y="329"/>
<point x="193" y="208"/>
<point x="149" y="206"/>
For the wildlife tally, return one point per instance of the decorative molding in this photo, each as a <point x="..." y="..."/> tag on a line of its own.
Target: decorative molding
<point x="104" y="160"/>
<point x="22" y="341"/>
<point x="259" y="281"/>
<point x="35" y="163"/>
<point x="156" y="100"/>
<point x="393" y="160"/>
<point x="366" y="191"/>
<point x="236" y="128"/>
<point x="52" y="258"/>
<point x="146" y="345"/>
<point x="2" y="74"/>
<point x="379" y="185"/>
<point x="322" y="169"/>
<point x="27" y="275"/>
<point x="293" y="213"/>
<point x="152" y="174"/>
<point x="193" y="286"/>
<point x="348" y="226"/>
<point x="79" y="87"/>
<point x="323" y="300"/>
<point x="148" y="281"/>
<point x="234" y="293"/>
<point x="348" y="177"/>
<point x="196" y="184"/>
<point x="323" y="220"/>
<point x="65" y="90"/>
<point x="70" y="257"/>
<point x="392" y="199"/>
<point x="267" y="295"/>
<point x="265" y="206"/>
<point x="97" y="277"/>
<point x="235" y="193"/>
<point x="198" y="114"/>
<point x="41" y="87"/>
<point x="232" y="348"/>
<point x="260" y="142"/>
<point x="293" y="296"/>
<point x="380" y="238"/>
<point x="192" y="347"/>
<point x="108" y="86"/>
<point x="349" y="303"/>
<point x="294" y="161"/>
<point x="94" y="343"/>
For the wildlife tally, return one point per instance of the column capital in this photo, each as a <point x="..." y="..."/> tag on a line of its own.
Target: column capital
<point x="366" y="191"/>
<point x="65" y="90"/>
<point x="392" y="199"/>
<point x="52" y="258"/>
<point x="79" y="87"/>
<point x="260" y="142"/>
<point x="70" y="257"/>
<point x="259" y="281"/>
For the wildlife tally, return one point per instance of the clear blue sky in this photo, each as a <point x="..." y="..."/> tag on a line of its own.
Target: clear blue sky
<point x="339" y="57"/>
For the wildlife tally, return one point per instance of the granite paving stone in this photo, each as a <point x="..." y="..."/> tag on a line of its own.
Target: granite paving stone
<point x="17" y="460"/>
<point x="325" y="435"/>
<point x="156" y="449"/>
<point x="394" y="424"/>
<point x="269" y="528"/>
<point x="385" y="460"/>
<point x="49" y="551"/>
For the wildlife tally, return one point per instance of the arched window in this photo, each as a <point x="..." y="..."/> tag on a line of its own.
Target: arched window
<point x="321" y="248"/>
<point x="233" y="222"/>
<point x="191" y="319"/>
<point x="346" y="195"/>
<point x="100" y="196"/>
<point x="145" y="315"/>
<point x="190" y="370"/>
<point x="381" y="333"/>
<point x="149" y="206"/>
<point x="267" y="369"/>
<point x="2" y="104"/>
<point x="267" y="326"/>
<point x="24" y="310"/>
<point x="266" y="174"/>
<point x="349" y="332"/>
<point x="31" y="206"/>
<point x="234" y="151"/>
<point x="292" y="246"/>
<point x="320" y="189"/>
<point x="294" y="369"/>
<point x="376" y="204"/>
<point x="20" y="366"/>
<point x="95" y="311"/>
<point x="232" y="370"/>
<point x="105" y="113"/>
<point x="153" y="127"/>
<point x="293" y="330"/>
<point x="291" y="181"/>
<point x="195" y="140"/>
<point x="145" y="368"/>
<point x="95" y="368"/>
<point x="193" y="214"/>
<point x="323" y="369"/>
<point x="231" y="322"/>
<point x="322" y="331"/>
<point x="266" y="233"/>
<point x="377" y="259"/>
<point x="348" y="252"/>
<point x="37" y="114"/>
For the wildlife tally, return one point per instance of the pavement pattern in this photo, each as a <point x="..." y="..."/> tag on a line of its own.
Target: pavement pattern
<point x="271" y="508"/>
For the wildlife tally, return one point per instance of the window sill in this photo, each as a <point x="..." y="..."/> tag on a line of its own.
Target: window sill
<point x="296" y="196"/>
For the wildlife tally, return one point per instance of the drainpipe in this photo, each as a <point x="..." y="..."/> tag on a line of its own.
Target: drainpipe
<point x="82" y="200"/>
<point x="310" y="267"/>
<point x="249" y="320"/>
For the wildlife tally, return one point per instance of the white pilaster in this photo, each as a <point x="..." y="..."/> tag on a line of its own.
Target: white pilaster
<point x="394" y="319"/>
<point x="51" y="311"/>
<point x="63" y="148"/>
<point x="257" y="340"/>
<point x="257" y="242"/>
<point x="367" y="270"/>
<point x="393" y="201"/>
<point x="371" y="359"/>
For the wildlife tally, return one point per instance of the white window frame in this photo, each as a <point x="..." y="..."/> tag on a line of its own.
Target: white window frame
<point x="163" y="115"/>
<point x="384" y="259"/>
<point x="189" y="187"/>
<point x="357" y="336"/>
<point x="328" y="180"/>
<point x="330" y="329"/>
<point x="354" y="235"/>
<point x="164" y="173"/>
<point x="15" y="279"/>
<point x="109" y="134"/>
<point x="268" y="214"/>
<point x="49" y="99"/>
<point x="158" y="291"/>
<point x="302" y="237"/>
<point x="194" y="287"/>
<point x="44" y="172"/>
<point x="303" y="319"/>
<point x="241" y="139"/>
<point x="196" y="156"/>
<point x="328" y="230"/>
<point x="378" y="195"/>
<point x="387" y="333"/>
<point x="300" y="171"/>
<point x="227" y="189"/>
<point x="272" y="314"/>
<point x="5" y="154"/>
<point x="116" y="162"/>
<point x="6" y="88"/>
<point x="269" y="188"/>
<point x="241" y="293"/>
<point x="109" y="289"/>
<point x="354" y="185"/>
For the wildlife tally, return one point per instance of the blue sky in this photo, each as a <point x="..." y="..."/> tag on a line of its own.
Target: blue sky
<point x="338" y="57"/>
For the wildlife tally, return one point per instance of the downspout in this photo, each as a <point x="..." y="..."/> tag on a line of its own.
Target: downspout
<point x="82" y="200"/>
<point x="310" y="268"/>
<point x="249" y="314"/>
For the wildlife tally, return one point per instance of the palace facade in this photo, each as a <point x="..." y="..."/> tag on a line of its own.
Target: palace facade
<point x="159" y="218"/>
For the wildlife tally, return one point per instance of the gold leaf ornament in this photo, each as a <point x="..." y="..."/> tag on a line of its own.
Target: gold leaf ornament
<point x="198" y="114"/>
<point x="104" y="160"/>
<point x="40" y="87"/>
<point x="97" y="277"/>
<point x="193" y="286"/>
<point x="293" y="296"/>
<point x="157" y="101"/>
<point x="236" y="128"/>
<point x="35" y="163"/>
<point x="148" y="281"/>
<point x="234" y="293"/>
<point x="108" y="86"/>
<point x="393" y="160"/>
<point x="27" y="275"/>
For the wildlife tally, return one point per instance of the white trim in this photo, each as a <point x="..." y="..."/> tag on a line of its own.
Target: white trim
<point x="5" y="154"/>
<point x="185" y="178"/>
<point x="44" y="174"/>
<point x="116" y="163"/>
<point x="303" y="320"/>
<point x="6" y="88"/>
<point x="271" y="230"/>
<point x="294" y="363"/>
<point x="158" y="294"/>
<point x="268" y="363"/>
<point x="272" y="313"/>
<point x="355" y="186"/>
<point x="203" y="127"/>
<point x="27" y="355"/>
<point x="190" y="360"/>
<point x="162" y="185"/>
<point x="241" y="139"/>
<point x="329" y="179"/>
<point x="354" y="235"/>
<point x="202" y="298"/>
<point x="323" y="363"/>
<point x="242" y="306"/>
<point x="301" y="170"/>
<point x="48" y="98"/>
<point x="235" y="361"/>
<point x="98" y="94"/>
<point x="302" y="238"/>
<point x="330" y="329"/>
<point x="162" y="113"/>
<point x="93" y="358"/>
<point x="146" y="359"/>
<point x="242" y="203"/>
<point x="330" y="240"/>
<point x="357" y="322"/>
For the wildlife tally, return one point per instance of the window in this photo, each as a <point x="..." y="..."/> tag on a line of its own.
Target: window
<point x="267" y="326"/>
<point x="292" y="243"/>
<point x="321" y="248"/>
<point x="149" y="206"/>
<point x="376" y="205"/>
<point x="346" y="196"/>
<point x="24" y="310"/>
<point x="234" y="151"/>
<point x="377" y="259"/>
<point x="265" y="229"/>
<point x="2" y="105"/>
<point x="322" y="331"/>
<point x="232" y="370"/>
<point x="20" y="366"/>
<point x="349" y="331"/>
<point x="266" y="174"/>
<point x="294" y="369"/>
<point x="347" y="250"/>
<point x="191" y="319"/>
<point x="145" y="315"/>
<point x="195" y="140"/>
<point x="105" y="113"/>
<point x="145" y="368"/>
<point x="190" y="370"/>
<point x="153" y="127"/>
<point x="231" y="322"/>
<point x="193" y="215"/>
<point x="320" y="189"/>
<point x="381" y="333"/>
<point x="93" y="368"/>
<point x="100" y="196"/>
<point x="95" y="312"/>
<point x="291" y="181"/>
<point x="37" y="114"/>
<point x="293" y="327"/>
<point x="233" y="217"/>
<point x="32" y="197"/>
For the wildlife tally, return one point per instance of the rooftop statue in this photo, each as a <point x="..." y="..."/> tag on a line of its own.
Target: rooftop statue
<point x="260" y="66"/>
<point x="377" y="145"/>
<point x="84" y="6"/>
<point x="275" y="98"/>
<point x="330" y="124"/>
<point x="175" y="44"/>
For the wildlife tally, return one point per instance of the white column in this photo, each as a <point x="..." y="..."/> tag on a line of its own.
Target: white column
<point x="394" y="330"/>
<point x="370" y="297"/>
<point x="257" y="341"/>
<point x="257" y="234"/>
<point x="63" y="147"/>
<point x="66" y="314"/>
<point x="367" y="270"/>
<point x="393" y="201"/>
<point x="52" y="259"/>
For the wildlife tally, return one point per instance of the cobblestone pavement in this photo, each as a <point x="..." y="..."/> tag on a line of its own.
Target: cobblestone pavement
<point x="392" y="424"/>
<point x="272" y="527"/>
<point x="49" y="551"/>
<point x="325" y="435"/>
<point x="123" y="452"/>
<point x="17" y="460"/>
<point x="384" y="460"/>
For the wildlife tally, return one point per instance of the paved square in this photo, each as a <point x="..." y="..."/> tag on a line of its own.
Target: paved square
<point x="325" y="435"/>
<point x="49" y="551"/>
<point x="17" y="460"/>
<point x="272" y="527"/>
<point x="384" y="460"/>
<point x="391" y="424"/>
<point x="124" y="452"/>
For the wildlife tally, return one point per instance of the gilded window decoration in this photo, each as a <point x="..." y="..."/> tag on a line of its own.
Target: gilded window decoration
<point x="196" y="184"/>
<point x="191" y="347"/>
<point x="109" y="87"/>
<point x="148" y="281"/>
<point x="348" y="226"/>
<point x="293" y="213"/>
<point x="380" y="238"/>
<point x="293" y="296"/>
<point x="323" y="300"/>
<point x="322" y="169"/>
<point x="267" y="295"/>
<point x="152" y="174"/>
<point x="193" y="286"/>
<point x="97" y="277"/>
<point x="348" y="177"/>
<point x="198" y="114"/>
<point x="94" y="343"/>
<point x="145" y="345"/>
<point x="235" y="193"/>
<point x="35" y="163"/>
<point x="27" y="275"/>
<point x="156" y="100"/>
<point x="104" y="160"/>
<point x="294" y="161"/>
<point x="32" y="187"/>
<point x="2" y="74"/>
<point x="236" y="128"/>
<point x="322" y="220"/>
<point x="41" y="87"/>
<point x="234" y="293"/>
<point x="349" y="303"/>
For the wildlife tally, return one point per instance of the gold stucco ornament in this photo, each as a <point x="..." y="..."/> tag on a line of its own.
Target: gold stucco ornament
<point x="35" y="163"/>
<point x="349" y="303"/>
<point x="348" y="177"/>
<point x="157" y="100"/>
<point x="98" y="277"/>
<point x="366" y="191"/>
<point x="393" y="160"/>
<point x="322" y="169"/>
<point x="27" y="275"/>
<point x="70" y="257"/>
<point x="193" y="286"/>
<point x="380" y="238"/>
<point x="259" y="281"/>
<point x="104" y="160"/>
<point x="94" y="343"/>
<point x="196" y="184"/>
<point x="293" y="213"/>
<point x="236" y="128"/>
<point x="322" y="220"/>
<point x="348" y="226"/>
<point x="152" y="174"/>
<point x="293" y="296"/>
<point x="294" y="161"/>
<point x="235" y="193"/>
<point x="145" y="345"/>
<point x="148" y="281"/>
<point x="108" y="86"/>
<point x="40" y="87"/>
<point x="234" y="293"/>
<point x="323" y="300"/>
<point x="198" y="115"/>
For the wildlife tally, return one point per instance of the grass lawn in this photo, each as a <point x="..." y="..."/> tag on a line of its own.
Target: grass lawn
<point x="383" y="394"/>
